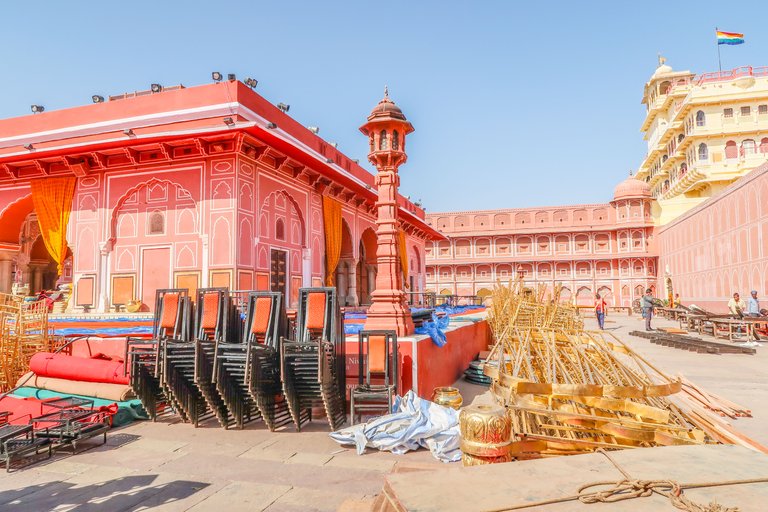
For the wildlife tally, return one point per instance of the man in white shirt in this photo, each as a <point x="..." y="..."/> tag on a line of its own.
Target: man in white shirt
<point x="736" y="306"/>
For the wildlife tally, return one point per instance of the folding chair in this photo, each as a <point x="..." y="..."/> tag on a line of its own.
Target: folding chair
<point x="377" y="353"/>
<point x="313" y="366"/>
<point x="143" y="355"/>
<point x="186" y="364"/>
<point x="247" y="372"/>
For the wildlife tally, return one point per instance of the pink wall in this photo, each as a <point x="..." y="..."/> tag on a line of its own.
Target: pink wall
<point x="607" y="248"/>
<point x="719" y="247"/>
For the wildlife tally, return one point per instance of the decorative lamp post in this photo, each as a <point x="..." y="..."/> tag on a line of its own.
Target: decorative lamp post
<point x="386" y="130"/>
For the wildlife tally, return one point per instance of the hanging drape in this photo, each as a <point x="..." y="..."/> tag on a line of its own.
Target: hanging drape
<point x="52" y="199"/>
<point x="332" y="226"/>
<point x="403" y="257"/>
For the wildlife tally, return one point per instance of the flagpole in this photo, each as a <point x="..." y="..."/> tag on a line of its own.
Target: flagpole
<point x="719" y="63"/>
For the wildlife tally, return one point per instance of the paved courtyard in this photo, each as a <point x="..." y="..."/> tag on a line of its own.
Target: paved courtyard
<point x="172" y="466"/>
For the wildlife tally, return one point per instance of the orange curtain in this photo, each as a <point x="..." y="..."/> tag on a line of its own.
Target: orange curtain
<point x="52" y="199"/>
<point x="403" y="258"/>
<point x="332" y="226"/>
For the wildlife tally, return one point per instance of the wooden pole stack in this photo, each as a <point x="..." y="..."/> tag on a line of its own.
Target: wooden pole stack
<point x="569" y="390"/>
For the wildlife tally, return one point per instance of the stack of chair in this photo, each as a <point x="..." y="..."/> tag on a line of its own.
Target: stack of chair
<point x="187" y="363"/>
<point x="144" y="356"/>
<point x="377" y="374"/>
<point x="247" y="373"/>
<point x="313" y="365"/>
<point x="23" y="333"/>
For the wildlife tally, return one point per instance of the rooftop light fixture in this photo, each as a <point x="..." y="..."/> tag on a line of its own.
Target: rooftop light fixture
<point x="314" y="129"/>
<point x="283" y="107"/>
<point x="251" y="82"/>
<point x="129" y="132"/>
<point x="271" y="126"/>
<point x="229" y="121"/>
<point x="28" y="147"/>
<point x="156" y="88"/>
<point x="329" y="160"/>
<point x="231" y="77"/>
<point x="97" y="99"/>
<point x="334" y="144"/>
<point x="356" y="160"/>
<point x="216" y="76"/>
<point x="36" y="109"/>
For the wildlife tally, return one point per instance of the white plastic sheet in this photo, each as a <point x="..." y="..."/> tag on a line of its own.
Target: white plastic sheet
<point x="417" y="423"/>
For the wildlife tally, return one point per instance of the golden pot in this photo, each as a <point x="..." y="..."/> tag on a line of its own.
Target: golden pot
<point x="133" y="306"/>
<point x="486" y="430"/>
<point x="473" y="460"/>
<point x="448" y="397"/>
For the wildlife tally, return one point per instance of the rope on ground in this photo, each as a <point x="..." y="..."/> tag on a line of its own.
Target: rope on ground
<point x="630" y="488"/>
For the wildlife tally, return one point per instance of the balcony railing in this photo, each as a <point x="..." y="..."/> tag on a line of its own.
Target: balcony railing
<point x="720" y="76"/>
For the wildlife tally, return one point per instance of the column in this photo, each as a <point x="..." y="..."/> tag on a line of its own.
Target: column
<point x="352" y="298"/>
<point x="341" y="283"/>
<point x="105" y="248"/>
<point x="6" y="270"/>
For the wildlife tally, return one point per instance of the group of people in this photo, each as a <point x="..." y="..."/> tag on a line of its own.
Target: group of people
<point x="646" y="305"/>
<point x="751" y="308"/>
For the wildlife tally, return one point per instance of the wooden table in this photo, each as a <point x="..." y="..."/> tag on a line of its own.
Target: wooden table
<point x="729" y="328"/>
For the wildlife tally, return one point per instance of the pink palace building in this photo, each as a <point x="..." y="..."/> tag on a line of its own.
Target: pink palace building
<point x="190" y="187"/>
<point x="607" y="248"/>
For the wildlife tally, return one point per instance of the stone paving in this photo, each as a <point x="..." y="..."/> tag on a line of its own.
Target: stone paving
<point x="170" y="466"/>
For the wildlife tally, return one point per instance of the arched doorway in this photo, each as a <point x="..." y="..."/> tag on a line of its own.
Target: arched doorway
<point x="366" y="266"/>
<point x="584" y="296"/>
<point x="414" y="273"/>
<point x="606" y="294"/>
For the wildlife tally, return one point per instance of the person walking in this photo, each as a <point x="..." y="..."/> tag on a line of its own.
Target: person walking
<point x="600" y="307"/>
<point x="646" y="305"/>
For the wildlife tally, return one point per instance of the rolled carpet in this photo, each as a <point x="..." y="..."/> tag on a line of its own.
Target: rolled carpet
<point x="127" y="411"/>
<point x="95" y="345"/>
<point x="113" y="392"/>
<point x="22" y="409"/>
<point x="62" y="366"/>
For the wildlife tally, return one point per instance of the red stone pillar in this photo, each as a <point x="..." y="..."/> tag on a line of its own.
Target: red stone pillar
<point x="386" y="129"/>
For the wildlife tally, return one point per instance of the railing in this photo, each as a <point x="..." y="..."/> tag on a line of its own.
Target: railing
<point x="421" y="299"/>
<point x="458" y="300"/>
<point x="730" y="75"/>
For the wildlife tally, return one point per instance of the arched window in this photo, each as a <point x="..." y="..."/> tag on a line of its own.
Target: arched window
<point x="730" y="149"/>
<point x="395" y="140"/>
<point x="156" y="223"/>
<point x="373" y="146"/>
<point x="701" y="118"/>
<point x="683" y="169"/>
<point x="748" y="147"/>
<point x="703" y="152"/>
<point x="680" y="138"/>
<point x="383" y="141"/>
<point x="666" y="186"/>
<point x="280" y="229"/>
<point x="764" y="145"/>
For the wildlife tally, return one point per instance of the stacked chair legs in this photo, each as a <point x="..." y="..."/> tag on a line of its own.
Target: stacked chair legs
<point x="313" y="364"/>
<point x="235" y="362"/>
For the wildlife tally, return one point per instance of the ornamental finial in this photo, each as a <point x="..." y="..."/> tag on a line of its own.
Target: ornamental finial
<point x="662" y="60"/>
<point x="386" y="92"/>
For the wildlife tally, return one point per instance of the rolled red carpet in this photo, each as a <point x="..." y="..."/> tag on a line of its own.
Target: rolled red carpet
<point x="60" y="366"/>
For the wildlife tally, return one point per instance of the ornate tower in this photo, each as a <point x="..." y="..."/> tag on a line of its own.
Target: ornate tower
<point x="386" y="130"/>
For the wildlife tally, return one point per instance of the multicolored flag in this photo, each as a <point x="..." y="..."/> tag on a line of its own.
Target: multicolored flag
<point x="729" y="37"/>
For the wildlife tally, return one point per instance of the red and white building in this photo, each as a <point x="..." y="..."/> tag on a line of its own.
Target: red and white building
<point x="189" y="187"/>
<point x="607" y="248"/>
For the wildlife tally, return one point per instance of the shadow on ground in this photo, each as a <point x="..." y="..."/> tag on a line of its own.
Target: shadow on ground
<point x="130" y="493"/>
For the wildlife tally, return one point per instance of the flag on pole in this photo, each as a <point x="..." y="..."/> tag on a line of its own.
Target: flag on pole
<point x="729" y="37"/>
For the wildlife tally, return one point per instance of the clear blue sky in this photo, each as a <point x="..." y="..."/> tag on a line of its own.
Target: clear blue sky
<point x="514" y="103"/>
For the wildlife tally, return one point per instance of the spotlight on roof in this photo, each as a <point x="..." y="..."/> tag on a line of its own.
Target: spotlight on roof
<point x="314" y="129"/>
<point x="231" y="77"/>
<point x="283" y="107"/>
<point x="356" y="160"/>
<point x="97" y="99"/>
<point x="36" y="109"/>
<point x="334" y="144"/>
<point x="129" y="132"/>
<point x="156" y="88"/>
<point x="329" y="160"/>
<point x="28" y="147"/>
<point x="216" y="76"/>
<point x="229" y="121"/>
<point x="251" y="82"/>
<point x="271" y="126"/>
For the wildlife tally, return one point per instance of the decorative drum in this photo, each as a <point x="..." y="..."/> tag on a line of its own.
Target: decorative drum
<point x="486" y="433"/>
